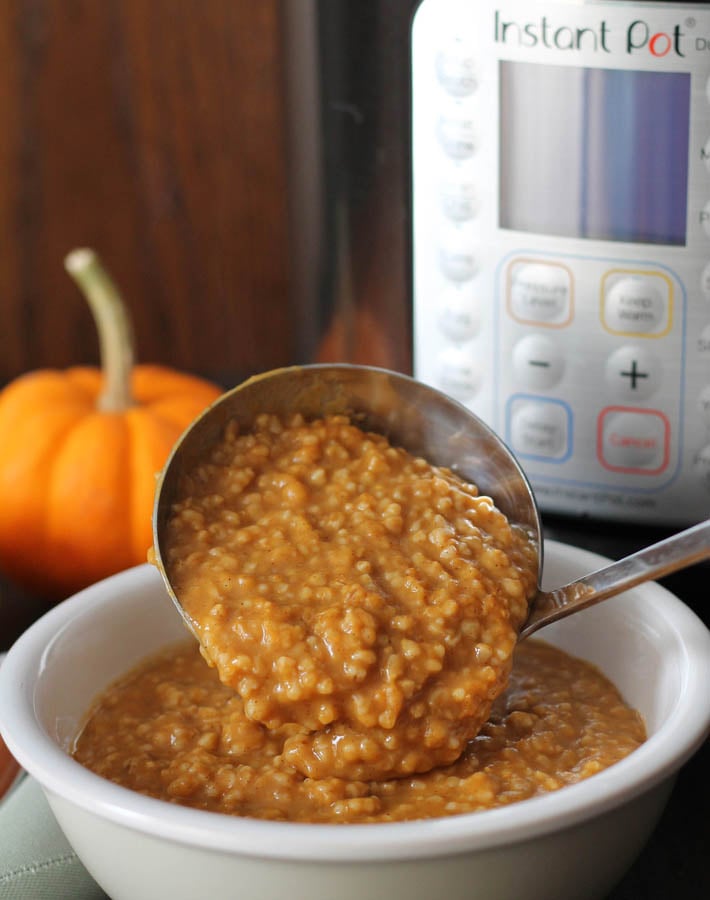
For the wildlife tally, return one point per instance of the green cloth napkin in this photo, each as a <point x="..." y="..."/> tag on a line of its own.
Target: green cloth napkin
<point x="36" y="861"/>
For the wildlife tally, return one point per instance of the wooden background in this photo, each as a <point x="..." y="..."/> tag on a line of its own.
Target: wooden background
<point x="152" y="130"/>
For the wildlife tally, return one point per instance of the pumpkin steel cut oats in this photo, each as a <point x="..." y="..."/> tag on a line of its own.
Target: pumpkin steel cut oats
<point x="341" y="584"/>
<point x="359" y="609"/>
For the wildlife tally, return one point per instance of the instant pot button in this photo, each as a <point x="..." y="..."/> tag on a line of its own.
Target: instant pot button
<point x="458" y="374"/>
<point x="705" y="218"/>
<point x="702" y="342"/>
<point x="539" y="293"/>
<point x="705" y="282"/>
<point x="636" y="304"/>
<point x="456" y="69"/>
<point x="538" y="362"/>
<point x="540" y="428"/>
<point x="704" y="404"/>
<point x="633" y="373"/>
<point x="634" y="441"/>
<point x="459" y="312"/>
<point x="701" y="466"/>
<point x="457" y="134"/>
<point x="457" y="254"/>
<point x="459" y="197"/>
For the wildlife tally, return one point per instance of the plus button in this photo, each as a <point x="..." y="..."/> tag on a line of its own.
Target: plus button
<point x="633" y="374"/>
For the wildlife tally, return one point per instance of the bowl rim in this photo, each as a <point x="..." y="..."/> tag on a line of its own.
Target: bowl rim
<point x="60" y="776"/>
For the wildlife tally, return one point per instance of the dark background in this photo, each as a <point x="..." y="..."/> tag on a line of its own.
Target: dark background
<point x="154" y="131"/>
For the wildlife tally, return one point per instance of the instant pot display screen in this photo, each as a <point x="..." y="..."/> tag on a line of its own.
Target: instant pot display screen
<point x="594" y="153"/>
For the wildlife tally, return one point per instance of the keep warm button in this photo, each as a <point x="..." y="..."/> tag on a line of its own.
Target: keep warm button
<point x="633" y="440"/>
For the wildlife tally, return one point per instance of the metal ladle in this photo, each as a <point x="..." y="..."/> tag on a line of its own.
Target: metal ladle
<point x="430" y="424"/>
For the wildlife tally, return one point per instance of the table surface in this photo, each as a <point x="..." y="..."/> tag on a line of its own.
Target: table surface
<point x="675" y="862"/>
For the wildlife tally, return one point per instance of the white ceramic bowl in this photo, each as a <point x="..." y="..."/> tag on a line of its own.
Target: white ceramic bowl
<point x="574" y="843"/>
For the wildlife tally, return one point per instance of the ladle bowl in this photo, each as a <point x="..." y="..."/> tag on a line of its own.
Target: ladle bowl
<point x="427" y="423"/>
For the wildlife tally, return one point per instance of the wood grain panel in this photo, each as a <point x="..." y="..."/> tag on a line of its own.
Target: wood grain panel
<point x="153" y="131"/>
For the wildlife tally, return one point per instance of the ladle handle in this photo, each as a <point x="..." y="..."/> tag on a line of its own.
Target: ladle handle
<point x="676" y="552"/>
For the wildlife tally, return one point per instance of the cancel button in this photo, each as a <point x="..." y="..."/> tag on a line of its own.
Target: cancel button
<point x="631" y="440"/>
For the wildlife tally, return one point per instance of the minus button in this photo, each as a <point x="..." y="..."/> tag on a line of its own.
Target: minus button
<point x="537" y="362"/>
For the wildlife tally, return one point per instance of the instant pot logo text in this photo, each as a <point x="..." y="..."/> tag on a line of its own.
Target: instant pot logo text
<point x="637" y="38"/>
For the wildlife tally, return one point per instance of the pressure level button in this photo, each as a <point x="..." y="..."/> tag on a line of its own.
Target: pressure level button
<point x="539" y="293"/>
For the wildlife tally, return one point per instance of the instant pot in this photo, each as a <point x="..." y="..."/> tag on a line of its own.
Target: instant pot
<point x="510" y="199"/>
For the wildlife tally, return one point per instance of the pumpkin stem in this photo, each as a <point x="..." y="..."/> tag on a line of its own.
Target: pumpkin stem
<point x="113" y="324"/>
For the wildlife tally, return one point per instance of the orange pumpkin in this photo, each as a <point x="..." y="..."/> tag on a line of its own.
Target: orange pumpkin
<point x="80" y="450"/>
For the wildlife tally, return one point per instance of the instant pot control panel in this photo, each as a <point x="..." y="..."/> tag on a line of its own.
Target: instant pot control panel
<point x="561" y="242"/>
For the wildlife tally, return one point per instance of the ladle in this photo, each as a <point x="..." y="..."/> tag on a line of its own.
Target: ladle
<point x="430" y="424"/>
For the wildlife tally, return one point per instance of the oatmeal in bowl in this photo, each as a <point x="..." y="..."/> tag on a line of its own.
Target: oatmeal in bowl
<point x="147" y="843"/>
<point x="360" y="606"/>
<point x="356" y="715"/>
